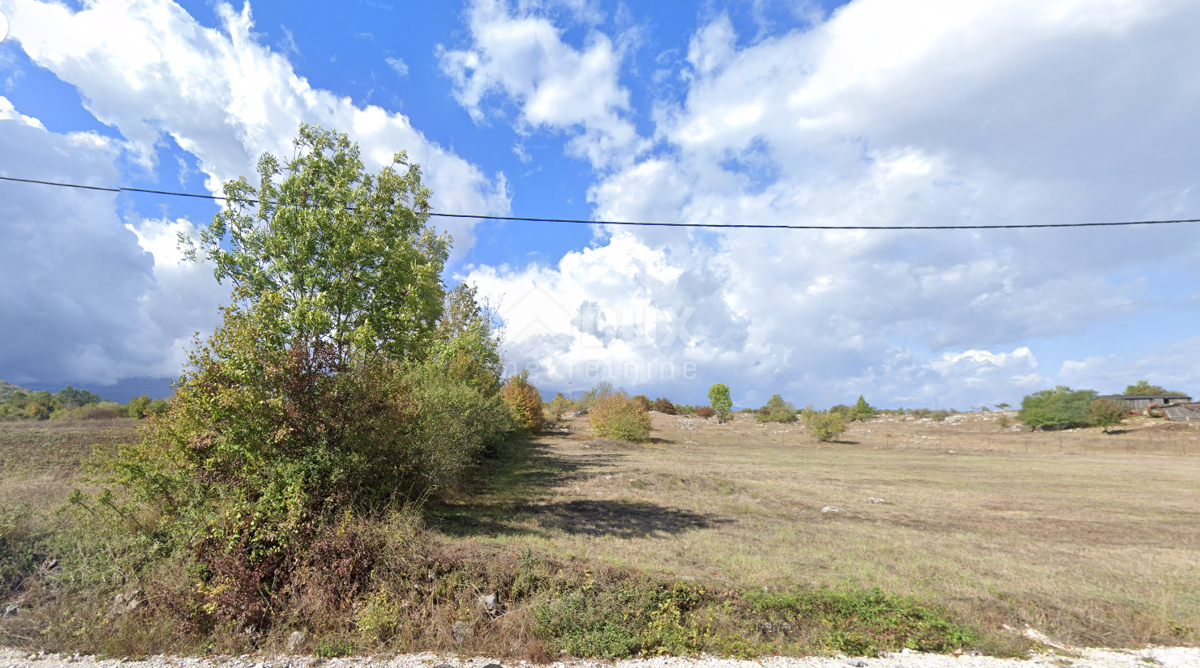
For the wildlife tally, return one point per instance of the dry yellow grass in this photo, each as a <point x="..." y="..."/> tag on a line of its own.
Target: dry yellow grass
<point x="1092" y="538"/>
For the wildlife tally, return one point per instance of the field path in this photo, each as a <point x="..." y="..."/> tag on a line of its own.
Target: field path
<point x="1165" y="657"/>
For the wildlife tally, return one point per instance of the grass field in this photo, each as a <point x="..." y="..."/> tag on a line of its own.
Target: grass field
<point x="1091" y="538"/>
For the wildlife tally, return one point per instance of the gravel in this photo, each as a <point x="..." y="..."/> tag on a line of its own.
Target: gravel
<point x="1164" y="657"/>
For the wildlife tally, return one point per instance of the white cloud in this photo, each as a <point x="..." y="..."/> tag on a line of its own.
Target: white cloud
<point x="522" y="56"/>
<point x="150" y="69"/>
<point x="398" y="65"/>
<point x="1173" y="366"/>
<point x="901" y="114"/>
<point x="87" y="298"/>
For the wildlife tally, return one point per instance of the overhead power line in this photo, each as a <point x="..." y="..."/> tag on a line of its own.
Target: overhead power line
<point x="631" y="223"/>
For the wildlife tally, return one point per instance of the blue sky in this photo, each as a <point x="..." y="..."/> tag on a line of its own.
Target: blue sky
<point x="870" y="112"/>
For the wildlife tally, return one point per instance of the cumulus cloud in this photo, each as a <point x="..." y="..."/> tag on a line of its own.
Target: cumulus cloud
<point x="903" y="114"/>
<point x="87" y="297"/>
<point x="150" y="69"/>
<point x="521" y="56"/>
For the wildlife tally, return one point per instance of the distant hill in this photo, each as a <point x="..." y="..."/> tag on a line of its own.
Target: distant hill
<point x="6" y="390"/>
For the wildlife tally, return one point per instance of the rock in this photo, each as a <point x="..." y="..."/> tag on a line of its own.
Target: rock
<point x="857" y="663"/>
<point x="486" y="603"/>
<point x="12" y="609"/>
<point x="875" y="500"/>
<point x="461" y="631"/>
<point x="295" y="641"/>
<point x="831" y="509"/>
<point x="493" y="665"/>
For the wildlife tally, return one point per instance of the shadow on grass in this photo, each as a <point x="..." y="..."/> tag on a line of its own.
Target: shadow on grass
<point x="513" y="495"/>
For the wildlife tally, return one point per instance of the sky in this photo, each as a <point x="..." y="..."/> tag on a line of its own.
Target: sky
<point x="862" y="113"/>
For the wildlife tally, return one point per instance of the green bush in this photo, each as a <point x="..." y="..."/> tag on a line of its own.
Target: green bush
<point x="619" y="416"/>
<point x="559" y="406"/>
<point x="776" y="410"/>
<point x="1059" y="408"/>
<point x="104" y="410"/>
<point x="826" y="426"/>
<point x="1107" y="413"/>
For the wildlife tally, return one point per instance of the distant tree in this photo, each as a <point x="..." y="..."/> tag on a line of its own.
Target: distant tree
<point x="664" y="405"/>
<point x="718" y="398"/>
<point x="777" y="410"/>
<point x="862" y="410"/>
<point x="1106" y="413"/>
<point x="1059" y="408"/>
<point x="1144" y="388"/>
<point x="70" y="397"/>
<point x="1003" y="406"/>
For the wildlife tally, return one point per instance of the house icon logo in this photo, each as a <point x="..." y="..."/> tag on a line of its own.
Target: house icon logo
<point x="538" y="312"/>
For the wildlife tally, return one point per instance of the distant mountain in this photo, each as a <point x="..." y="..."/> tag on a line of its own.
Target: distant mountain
<point x="6" y="390"/>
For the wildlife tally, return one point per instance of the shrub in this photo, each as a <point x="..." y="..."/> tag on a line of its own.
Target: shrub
<point x="1003" y="422"/>
<point x="642" y="400"/>
<point x="718" y="397"/>
<point x="705" y="412"/>
<point x="619" y="416"/>
<point x="1106" y="413"/>
<point x="825" y="426"/>
<point x="524" y="401"/>
<point x="939" y="416"/>
<point x="104" y="410"/>
<point x="345" y="378"/>
<point x="843" y="410"/>
<point x="777" y="410"/>
<point x="1059" y="408"/>
<point x="138" y="407"/>
<point x="664" y="405"/>
<point x="559" y="406"/>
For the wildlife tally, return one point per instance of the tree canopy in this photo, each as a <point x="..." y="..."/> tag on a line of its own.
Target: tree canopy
<point x="718" y="398"/>
<point x="1058" y="408"/>
<point x="1144" y="388"/>
<point x="341" y="254"/>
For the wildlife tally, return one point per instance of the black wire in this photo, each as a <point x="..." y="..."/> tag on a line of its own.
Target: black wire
<point x="629" y="223"/>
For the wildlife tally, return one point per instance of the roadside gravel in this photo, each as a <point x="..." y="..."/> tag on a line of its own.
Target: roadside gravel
<point x="1164" y="657"/>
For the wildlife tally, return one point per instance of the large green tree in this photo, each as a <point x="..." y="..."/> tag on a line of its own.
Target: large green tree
<point x="1058" y="408"/>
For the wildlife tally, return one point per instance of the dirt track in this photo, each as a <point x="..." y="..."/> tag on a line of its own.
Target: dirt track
<point x="1166" y="657"/>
